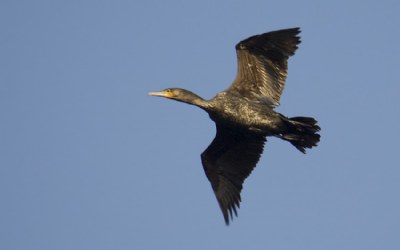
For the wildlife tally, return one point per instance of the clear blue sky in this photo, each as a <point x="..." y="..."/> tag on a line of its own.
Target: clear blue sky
<point x="89" y="161"/>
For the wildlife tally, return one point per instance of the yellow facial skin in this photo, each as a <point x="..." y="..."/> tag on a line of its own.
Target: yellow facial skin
<point x="165" y="93"/>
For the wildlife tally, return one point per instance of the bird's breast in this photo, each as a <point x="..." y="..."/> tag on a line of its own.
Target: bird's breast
<point x="246" y="115"/>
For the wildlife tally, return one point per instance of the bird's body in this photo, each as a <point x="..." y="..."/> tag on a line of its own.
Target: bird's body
<point x="255" y="116"/>
<point x="244" y="115"/>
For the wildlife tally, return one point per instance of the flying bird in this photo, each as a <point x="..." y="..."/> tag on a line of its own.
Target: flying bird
<point x="244" y="115"/>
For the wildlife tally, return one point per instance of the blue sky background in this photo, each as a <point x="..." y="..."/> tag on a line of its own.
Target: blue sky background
<point x="89" y="161"/>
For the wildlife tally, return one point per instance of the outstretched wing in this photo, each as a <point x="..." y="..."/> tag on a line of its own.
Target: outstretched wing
<point x="262" y="64"/>
<point x="227" y="162"/>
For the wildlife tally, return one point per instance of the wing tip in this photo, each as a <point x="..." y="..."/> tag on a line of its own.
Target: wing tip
<point x="229" y="208"/>
<point x="281" y="34"/>
<point x="228" y="213"/>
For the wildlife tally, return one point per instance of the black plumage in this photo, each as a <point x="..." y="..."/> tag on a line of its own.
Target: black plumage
<point x="244" y="115"/>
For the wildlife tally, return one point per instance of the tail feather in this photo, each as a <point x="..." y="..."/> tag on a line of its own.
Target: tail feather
<point x="302" y="132"/>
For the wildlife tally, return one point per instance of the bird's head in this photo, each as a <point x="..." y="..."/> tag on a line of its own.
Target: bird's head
<point x="181" y="95"/>
<point x="171" y="93"/>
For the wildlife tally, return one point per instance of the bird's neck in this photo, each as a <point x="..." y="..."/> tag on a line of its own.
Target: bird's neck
<point x="197" y="101"/>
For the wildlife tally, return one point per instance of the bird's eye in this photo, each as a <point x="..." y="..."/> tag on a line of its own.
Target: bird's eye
<point x="168" y="93"/>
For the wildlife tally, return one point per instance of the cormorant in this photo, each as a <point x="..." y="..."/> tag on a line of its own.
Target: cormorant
<point x="244" y="115"/>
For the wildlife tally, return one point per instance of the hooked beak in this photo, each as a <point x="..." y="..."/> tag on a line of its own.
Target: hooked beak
<point x="161" y="93"/>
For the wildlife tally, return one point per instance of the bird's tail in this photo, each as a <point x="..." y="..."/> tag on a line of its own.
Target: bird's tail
<point x="302" y="132"/>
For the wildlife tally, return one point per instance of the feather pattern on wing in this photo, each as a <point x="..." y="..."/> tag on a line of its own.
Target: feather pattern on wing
<point x="262" y="64"/>
<point x="227" y="162"/>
